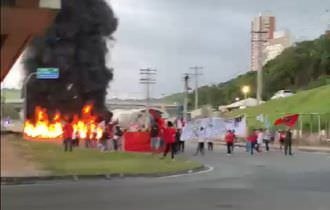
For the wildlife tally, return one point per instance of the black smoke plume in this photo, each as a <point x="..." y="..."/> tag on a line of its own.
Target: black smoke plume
<point x="76" y="44"/>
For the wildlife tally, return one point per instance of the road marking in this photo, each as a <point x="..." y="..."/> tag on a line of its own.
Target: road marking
<point x="209" y="169"/>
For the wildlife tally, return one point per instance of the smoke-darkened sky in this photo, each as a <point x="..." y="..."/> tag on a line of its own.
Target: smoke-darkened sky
<point x="172" y="35"/>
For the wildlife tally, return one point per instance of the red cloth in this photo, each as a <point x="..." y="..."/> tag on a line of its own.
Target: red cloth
<point x="67" y="131"/>
<point x="169" y="135"/>
<point x="289" y="120"/>
<point x="229" y="137"/>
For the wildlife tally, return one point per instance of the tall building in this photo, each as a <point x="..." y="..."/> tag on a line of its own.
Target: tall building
<point x="262" y="30"/>
<point x="276" y="45"/>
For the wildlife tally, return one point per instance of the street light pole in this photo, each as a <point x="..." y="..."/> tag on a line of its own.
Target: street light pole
<point x="147" y="79"/>
<point x="185" y="100"/>
<point x="25" y="90"/>
<point x="196" y="73"/>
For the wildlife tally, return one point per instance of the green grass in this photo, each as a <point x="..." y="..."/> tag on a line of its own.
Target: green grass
<point x="52" y="158"/>
<point x="310" y="101"/>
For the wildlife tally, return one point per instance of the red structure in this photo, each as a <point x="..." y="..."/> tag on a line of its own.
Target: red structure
<point x="21" y="20"/>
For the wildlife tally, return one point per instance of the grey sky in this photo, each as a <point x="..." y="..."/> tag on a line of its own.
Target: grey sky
<point x="172" y="35"/>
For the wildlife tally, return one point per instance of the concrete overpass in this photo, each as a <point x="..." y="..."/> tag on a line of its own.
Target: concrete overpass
<point x="111" y="105"/>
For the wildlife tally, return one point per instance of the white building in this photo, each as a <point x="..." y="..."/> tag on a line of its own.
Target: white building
<point x="275" y="46"/>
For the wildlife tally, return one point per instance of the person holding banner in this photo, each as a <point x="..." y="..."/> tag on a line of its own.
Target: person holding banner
<point x="201" y="141"/>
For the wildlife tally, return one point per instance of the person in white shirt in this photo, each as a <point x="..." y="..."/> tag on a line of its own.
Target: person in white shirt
<point x="260" y="139"/>
<point x="267" y="139"/>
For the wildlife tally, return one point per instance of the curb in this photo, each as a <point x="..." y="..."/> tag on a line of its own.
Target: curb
<point x="35" y="179"/>
<point x="313" y="150"/>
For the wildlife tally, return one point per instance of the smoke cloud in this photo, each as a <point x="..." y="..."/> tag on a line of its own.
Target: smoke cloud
<point x="76" y="44"/>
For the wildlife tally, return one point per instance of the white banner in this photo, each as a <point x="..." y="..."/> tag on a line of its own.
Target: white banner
<point x="214" y="128"/>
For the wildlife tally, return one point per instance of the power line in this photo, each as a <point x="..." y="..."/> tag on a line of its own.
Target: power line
<point x="147" y="79"/>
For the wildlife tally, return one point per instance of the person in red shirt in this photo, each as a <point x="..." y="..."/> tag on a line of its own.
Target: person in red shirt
<point x="169" y="139"/>
<point x="253" y="138"/>
<point x="67" y="135"/>
<point x="229" y="138"/>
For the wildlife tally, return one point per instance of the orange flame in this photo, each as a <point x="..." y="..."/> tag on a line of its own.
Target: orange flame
<point x="84" y="128"/>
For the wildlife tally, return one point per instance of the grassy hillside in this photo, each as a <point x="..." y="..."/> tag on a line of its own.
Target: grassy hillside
<point x="305" y="102"/>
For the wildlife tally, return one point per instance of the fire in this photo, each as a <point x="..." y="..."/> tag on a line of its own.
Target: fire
<point x="44" y="127"/>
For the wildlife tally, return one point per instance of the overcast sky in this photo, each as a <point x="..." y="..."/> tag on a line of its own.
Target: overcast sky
<point x="172" y="35"/>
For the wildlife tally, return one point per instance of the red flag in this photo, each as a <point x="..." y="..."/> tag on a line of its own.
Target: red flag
<point x="289" y="120"/>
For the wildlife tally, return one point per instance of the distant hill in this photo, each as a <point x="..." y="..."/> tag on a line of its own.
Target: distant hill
<point x="303" y="66"/>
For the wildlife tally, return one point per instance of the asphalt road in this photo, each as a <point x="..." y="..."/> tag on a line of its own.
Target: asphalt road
<point x="267" y="181"/>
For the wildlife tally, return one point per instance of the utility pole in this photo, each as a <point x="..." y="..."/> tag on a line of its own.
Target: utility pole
<point x="196" y="74"/>
<point x="260" y="40"/>
<point x="185" y="100"/>
<point x="147" y="79"/>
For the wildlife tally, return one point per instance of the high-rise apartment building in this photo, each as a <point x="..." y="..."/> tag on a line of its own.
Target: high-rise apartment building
<point x="275" y="46"/>
<point x="262" y="30"/>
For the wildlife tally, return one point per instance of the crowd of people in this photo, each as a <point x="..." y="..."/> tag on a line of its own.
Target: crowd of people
<point x="167" y="138"/>
<point x="255" y="141"/>
<point x="258" y="137"/>
<point x="111" y="137"/>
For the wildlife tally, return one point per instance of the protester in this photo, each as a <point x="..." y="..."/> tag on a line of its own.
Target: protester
<point x="288" y="142"/>
<point x="177" y="140"/>
<point x="267" y="139"/>
<point x="281" y="138"/>
<point x="181" y="142"/>
<point x="260" y="139"/>
<point x="201" y="141"/>
<point x="252" y="138"/>
<point x="117" y="137"/>
<point x="155" y="139"/>
<point x="169" y="139"/>
<point x="67" y="135"/>
<point x="229" y="138"/>
<point x="210" y="144"/>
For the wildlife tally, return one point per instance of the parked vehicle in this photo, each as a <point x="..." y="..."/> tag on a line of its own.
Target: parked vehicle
<point x="282" y="94"/>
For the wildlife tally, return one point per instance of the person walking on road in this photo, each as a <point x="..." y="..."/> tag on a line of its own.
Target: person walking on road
<point x="260" y="139"/>
<point x="229" y="138"/>
<point x="281" y="138"/>
<point x="288" y="142"/>
<point x="267" y="139"/>
<point x="252" y="138"/>
<point x="201" y="141"/>
<point x="169" y="139"/>
<point x="210" y="144"/>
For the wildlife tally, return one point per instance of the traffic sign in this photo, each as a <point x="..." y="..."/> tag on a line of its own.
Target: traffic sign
<point x="48" y="73"/>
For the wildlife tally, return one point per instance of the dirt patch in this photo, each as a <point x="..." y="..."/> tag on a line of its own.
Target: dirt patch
<point x="14" y="163"/>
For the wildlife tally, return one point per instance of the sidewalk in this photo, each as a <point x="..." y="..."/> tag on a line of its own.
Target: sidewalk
<point x="14" y="164"/>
